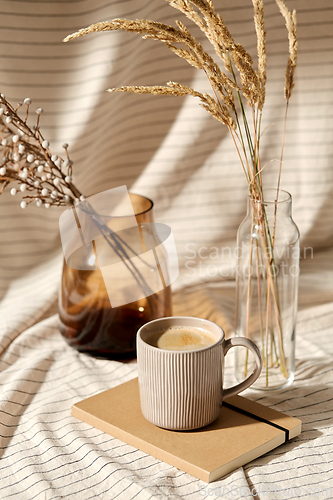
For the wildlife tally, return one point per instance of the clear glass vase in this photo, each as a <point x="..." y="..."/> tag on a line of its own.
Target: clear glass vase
<point x="267" y="288"/>
<point x="88" y="321"/>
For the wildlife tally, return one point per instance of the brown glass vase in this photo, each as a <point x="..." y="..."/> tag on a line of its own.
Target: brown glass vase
<point x="87" y="319"/>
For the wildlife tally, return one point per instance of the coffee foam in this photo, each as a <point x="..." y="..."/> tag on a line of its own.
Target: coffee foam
<point x="181" y="338"/>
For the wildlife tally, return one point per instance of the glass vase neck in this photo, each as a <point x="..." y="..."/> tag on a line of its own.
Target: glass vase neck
<point x="274" y="201"/>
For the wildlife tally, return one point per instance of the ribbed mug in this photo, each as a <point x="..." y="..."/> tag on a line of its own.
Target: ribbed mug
<point x="183" y="390"/>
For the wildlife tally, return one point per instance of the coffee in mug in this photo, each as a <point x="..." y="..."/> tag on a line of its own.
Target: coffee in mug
<point x="181" y="338"/>
<point x="180" y="368"/>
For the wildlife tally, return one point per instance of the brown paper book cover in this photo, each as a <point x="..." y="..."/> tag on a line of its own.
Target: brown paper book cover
<point x="244" y="431"/>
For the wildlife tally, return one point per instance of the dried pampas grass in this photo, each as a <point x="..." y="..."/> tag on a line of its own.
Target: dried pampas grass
<point x="238" y="79"/>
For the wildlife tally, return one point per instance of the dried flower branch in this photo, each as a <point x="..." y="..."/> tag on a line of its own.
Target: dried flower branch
<point x="27" y="160"/>
<point x="194" y="54"/>
<point x="225" y="47"/>
<point x="291" y="25"/>
<point x="217" y="110"/>
<point x="261" y="48"/>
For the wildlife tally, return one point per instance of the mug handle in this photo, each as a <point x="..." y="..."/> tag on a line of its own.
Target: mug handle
<point x="243" y="342"/>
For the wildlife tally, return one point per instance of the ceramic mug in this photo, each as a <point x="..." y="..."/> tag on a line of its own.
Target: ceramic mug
<point x="183" y="389"/>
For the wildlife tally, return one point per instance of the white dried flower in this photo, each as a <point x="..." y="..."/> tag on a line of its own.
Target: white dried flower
<point x="20" y="144"/>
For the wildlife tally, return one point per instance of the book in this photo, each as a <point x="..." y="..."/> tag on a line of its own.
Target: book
<point x="244" y="431"/>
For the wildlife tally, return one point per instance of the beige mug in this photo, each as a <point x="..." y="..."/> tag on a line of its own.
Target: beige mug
<point x="183" y="389"/>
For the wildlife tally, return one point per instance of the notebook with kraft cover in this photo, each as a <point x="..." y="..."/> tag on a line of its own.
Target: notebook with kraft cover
<point x="244" y="431"/>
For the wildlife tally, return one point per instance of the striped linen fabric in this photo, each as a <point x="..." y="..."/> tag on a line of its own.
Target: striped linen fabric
<point x="172" y="151"/>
